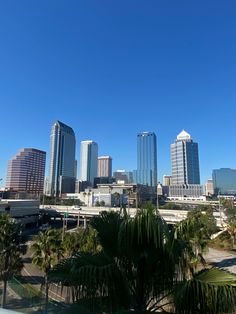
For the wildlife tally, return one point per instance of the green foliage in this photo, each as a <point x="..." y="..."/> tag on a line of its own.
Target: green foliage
<point x="222" y="241"/>
<point x="194" y="233"/>
<point x="230" y="211"/>
<point x="209" y="291"/>
<point x="47" y="249"/>
<point x="10" y="250"/>
<point x="206" y="220"/>
<point x="52" y="200"/>
<point x="101" y="203"/>
<point x="142" y="267"/>
<point x="84" y="240"/>
<point x="171" y="205"/>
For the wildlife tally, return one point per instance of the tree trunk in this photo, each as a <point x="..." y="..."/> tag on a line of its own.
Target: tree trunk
<point x="233" y="241"/>
<point x="46" y="293"/>
<point x="4" y="293"/>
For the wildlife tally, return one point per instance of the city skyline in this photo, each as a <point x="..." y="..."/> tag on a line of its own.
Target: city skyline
<point x="134" y="168"/>
<point x="114" y="70"/>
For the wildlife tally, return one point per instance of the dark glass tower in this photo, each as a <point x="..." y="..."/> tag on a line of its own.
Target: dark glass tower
<point x="62" y="160"/>
<point x="185" y="161"/>
<point x="147" y="159"/>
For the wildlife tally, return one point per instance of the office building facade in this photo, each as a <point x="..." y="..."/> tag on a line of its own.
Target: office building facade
<point x="104" y="167"/>
<point x="224" y="181"/>
<point x="185" y="160"/>
<point x="26" y="172"/>
<point x="167" y="180"/>
<point x="88" y="161"/>
<point x="122" y="176"/>
<point x="209" y="188"/>
<point x="61" y="177"/>
<point x="147" y="159"/>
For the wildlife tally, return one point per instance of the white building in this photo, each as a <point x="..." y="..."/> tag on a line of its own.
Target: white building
<point x="88" y="161"/>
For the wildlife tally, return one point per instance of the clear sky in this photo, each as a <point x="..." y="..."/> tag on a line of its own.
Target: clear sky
<point x="111" y="69"/>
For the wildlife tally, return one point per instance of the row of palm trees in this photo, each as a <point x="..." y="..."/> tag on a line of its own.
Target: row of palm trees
<point x="51" y="246"/>
<point x="48" y="249"/>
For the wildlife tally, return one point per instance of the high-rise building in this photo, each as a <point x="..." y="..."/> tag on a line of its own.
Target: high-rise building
<point x="104" y="167"/>
<point x="185" y="161"/>
<point x="62" y="160"/>
<point x="209" y="188"/>
<point x="167" y="180"/>
<point x="26" y="171"/>
<point x="224" y="181"/>
<point x="147" y="159"/>
<point x="88" y="161"/>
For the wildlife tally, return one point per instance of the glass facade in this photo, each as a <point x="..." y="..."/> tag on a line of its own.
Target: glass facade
<point x="62" y="159"/>
<point x="88" y="161"/>
<point x="185" y="160"/>
<point x="224" y="181"/>
<point x="147" y="159"/>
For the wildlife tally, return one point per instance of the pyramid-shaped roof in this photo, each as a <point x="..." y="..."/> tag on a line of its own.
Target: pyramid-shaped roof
<point x="183" y="136"/>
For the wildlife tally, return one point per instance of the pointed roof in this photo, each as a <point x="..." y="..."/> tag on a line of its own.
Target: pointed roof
<point x="183" y="136"/>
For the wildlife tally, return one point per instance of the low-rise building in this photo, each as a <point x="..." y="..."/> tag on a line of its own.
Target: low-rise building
<point x="24" y="211"/>
<point x="186" y="191"/>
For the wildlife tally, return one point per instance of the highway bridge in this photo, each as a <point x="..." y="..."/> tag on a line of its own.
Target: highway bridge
<point x="84" y="214"/>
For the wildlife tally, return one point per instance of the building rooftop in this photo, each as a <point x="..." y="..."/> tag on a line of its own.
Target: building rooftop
<point x="183" y="136"/>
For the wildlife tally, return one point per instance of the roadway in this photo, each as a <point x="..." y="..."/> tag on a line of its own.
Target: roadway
<point x="221" y="259"/>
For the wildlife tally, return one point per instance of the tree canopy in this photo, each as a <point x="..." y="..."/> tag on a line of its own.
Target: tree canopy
<point x="143" y="267"/>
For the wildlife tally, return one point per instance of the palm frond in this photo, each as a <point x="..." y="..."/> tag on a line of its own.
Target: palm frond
<point x="107" y="226"/>
<point x="93" y="276"/>
<point x="210" y="291"/>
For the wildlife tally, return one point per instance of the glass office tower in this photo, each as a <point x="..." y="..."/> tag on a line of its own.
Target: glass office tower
<point x="224" y="181"/>
<point x="147" y="159"/>
<point x="62" y="160"/>
<point x="88" y="161"/>
<point x="185" y="161"/>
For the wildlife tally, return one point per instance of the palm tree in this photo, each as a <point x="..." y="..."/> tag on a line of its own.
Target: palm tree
<point x="143" y="267"/>
<point x="10" y="251"/>
<point x="47" y="251"/>
<point x="81" y="240"/>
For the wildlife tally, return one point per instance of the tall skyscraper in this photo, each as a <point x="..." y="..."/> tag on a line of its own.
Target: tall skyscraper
<point x="88" y="161"/>
<point x="104" y="166"/>
<point x="185" y="161"/>
<point x="147" y="159"/>
<point x="26" y="171"/>
<point x="62" y="160"/>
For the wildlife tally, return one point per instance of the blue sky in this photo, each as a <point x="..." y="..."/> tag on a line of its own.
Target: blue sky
<point x="111" y="69"/>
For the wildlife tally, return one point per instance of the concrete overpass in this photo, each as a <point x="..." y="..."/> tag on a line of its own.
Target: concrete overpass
<point x="85" y="213"/>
